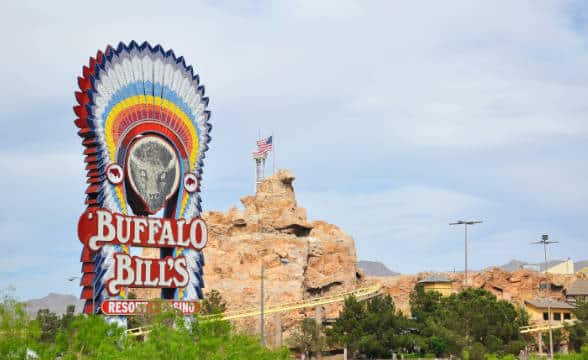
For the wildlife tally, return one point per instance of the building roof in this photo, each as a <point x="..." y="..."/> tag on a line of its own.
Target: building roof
<point x="579" y="287"/>
<point x="435" y="278"/>
<point x="555" y="304"/>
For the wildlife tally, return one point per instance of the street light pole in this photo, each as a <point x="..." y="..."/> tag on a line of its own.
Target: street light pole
<point x="262" y="305"/>
<point x="545" y="241"/>
<point x="465" y="229"/>
<point x="466" y="223"/>
<point x="283" y="261"/>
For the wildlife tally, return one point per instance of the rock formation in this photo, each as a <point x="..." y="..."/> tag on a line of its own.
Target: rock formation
<point x="305" y="259"/>
<point x="516" y="286"/>
<point x="272" y="229"/>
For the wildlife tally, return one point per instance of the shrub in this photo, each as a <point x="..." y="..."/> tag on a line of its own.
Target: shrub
<point x="90" y="337"/>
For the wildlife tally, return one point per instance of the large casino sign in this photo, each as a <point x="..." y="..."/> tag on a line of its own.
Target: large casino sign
<point x="141" y="114"/>
<point x="97" y="228"/>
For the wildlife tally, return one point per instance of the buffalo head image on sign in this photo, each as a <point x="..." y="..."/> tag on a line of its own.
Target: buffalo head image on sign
<point x="154" y="173"/>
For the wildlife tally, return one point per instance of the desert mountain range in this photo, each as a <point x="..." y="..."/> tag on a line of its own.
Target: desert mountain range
<point x="376" y="268"/>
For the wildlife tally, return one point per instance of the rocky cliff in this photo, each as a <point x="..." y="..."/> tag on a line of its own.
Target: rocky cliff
<point x="301" y="258"/>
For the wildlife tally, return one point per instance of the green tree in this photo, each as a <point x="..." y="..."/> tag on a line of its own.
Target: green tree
<point x="578" y="333"/>
<point x="467" y="321"/>
<point x="17" y="332"/>
<point x="49" y="323"/>
<point x="381" y="327"/>
<point x="474" y="351"/>
<point x="308" y="338"/>
<point x="68" y="317"/>
<point x="479" y="317"/>
<point x="438" y="345"/>
<point x="347" y="330"/>
<point x="373" y="328"/>
<point x="213" y="303"/>
<point x="424" y="304"/>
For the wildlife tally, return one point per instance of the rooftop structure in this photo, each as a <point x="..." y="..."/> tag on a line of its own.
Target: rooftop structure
<point x="578" y="291"/>
<point x="435" y="278"/>
<point x="540" y="309"/>
<point x="579" y="287"/>
<point x="542" y="303"/>
<point x="439" y="283"/>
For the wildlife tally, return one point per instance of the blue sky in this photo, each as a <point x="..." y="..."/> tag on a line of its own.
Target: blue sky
<point x="396" y="118"/>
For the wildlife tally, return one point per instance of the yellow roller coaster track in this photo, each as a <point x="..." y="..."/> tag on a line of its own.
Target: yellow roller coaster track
<point x="360" y="294"/>
<point x="544" y="327"/>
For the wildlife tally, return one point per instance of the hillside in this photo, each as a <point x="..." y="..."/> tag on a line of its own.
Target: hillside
<point x="56" y="303"/>
<point x="375" y="268"/>
<point x="518" y="264"/>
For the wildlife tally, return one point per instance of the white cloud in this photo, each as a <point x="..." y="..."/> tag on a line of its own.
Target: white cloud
<point x="516" y="243"/>
<point x="434" y="75"/>
<point x="557" y="184"/>
<point x="411" y="114"/>
<point x="407" y="228"/>
<point x="398" y="226"/>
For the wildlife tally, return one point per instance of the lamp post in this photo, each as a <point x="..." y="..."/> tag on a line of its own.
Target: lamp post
<point x="72" y="278"/>
<point x="465" y="224"/>
<point x="283" y="261"/>
<point x="262" y="305"/>
<point x="545" y="241"/>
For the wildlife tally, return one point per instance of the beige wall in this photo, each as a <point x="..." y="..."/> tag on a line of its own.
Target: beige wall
<point x="444" y="288"/>
<point x="536" y="314"/>
<point x="564" y="268"/>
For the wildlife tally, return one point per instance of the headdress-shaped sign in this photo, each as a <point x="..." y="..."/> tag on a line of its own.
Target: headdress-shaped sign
<point x="144" y="124"/>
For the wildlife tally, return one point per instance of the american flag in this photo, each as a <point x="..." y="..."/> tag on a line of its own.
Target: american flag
<point x="264" y="146"/>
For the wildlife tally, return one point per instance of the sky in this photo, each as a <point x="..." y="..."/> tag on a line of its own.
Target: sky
<point x="396" y="117"/>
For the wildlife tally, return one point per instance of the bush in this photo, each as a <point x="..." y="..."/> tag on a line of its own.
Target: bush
<point x="307" y="338"/>
<point x="438" y="345"/>
<point x="475" y="351"/>
<point x="90" y="337"/>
